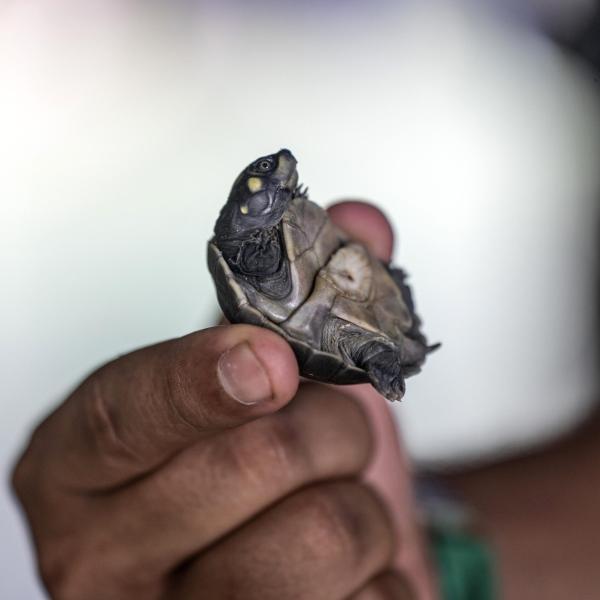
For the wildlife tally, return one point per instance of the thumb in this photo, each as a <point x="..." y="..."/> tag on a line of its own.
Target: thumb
<point x="136" y="411"/>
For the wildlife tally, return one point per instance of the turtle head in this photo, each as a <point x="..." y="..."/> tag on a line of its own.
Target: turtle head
<point x="259" y="196"/>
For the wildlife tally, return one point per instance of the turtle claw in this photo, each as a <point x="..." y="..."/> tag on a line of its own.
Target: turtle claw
<point x="385" y="372"/>
<point x="300" y="191"/>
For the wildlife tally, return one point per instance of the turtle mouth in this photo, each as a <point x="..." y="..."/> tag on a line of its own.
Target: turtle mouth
<point x="285" y="192"/>
<point x="278" y="204"/>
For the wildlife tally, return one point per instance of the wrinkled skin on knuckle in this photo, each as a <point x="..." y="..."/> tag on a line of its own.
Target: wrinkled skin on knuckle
<point x="266" y="451"/>
<point x="101" y="424"/>
<point x="184" y="387"/>
<point x="189" y="388"/>
<point x="117" y="424"/>
<point x="334" y="529"/>
<point x="316" y="543"/>
<point x="65" y="572"/>
<point x="33" y="485"/>
<point x="350" y="526"/>
<point x="77" y="567"/>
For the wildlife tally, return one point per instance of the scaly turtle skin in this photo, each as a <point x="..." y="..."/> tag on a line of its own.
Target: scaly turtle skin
<point x="279" y="262"/>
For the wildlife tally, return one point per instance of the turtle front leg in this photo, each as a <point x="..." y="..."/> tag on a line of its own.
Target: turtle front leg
<point x="386" y="363"/>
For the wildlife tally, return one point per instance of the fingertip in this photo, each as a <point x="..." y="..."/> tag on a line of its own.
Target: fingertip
<point x="278" y="361"/>
<point x="367" y="224"/>
<point x="243" y="352"/>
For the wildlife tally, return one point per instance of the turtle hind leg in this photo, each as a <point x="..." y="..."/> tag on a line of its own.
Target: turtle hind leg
<point x="388" y="365"/>
<point x="380" y="359"/>
<point x="386" y="374"/>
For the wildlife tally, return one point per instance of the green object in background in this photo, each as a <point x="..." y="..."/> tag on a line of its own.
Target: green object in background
<point x="465" y="566"/>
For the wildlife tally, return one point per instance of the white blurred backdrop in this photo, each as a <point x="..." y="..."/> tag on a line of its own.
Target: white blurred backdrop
<point x="122" y="128"/>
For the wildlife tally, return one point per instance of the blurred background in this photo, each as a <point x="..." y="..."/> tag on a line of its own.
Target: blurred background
<point x="474" y="125"/>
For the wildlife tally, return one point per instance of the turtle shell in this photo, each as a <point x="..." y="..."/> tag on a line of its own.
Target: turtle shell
<point x="331" y="277"/>
<point x="312" y="362"/>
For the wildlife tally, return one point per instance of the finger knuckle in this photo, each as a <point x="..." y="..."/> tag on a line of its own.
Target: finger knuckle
<point x="334" y="526"/>
<point x="65" y="574"/>
<point x="270" y="451"/>
<point x="178" y="391"/>
<point x="29" y="476"/>
<point x="28" y="470"/>
<point x="102" y="425"/>
<point x="20" y="478"/>
<point x="72" y="569"/>
<point x="281" y="442"/>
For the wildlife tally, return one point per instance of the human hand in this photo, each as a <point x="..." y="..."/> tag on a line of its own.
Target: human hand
<point x="185" y="468"/>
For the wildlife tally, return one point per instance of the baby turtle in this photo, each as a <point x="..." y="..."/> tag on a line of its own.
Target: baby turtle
<point x="279" y="262"/>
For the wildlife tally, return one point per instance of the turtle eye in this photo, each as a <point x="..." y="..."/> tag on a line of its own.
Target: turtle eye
<point x="264" y="165"/>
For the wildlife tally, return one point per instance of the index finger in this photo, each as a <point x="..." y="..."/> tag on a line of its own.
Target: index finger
<point x="137" y="411"/>
<point x="389" y="472"/>
<point x="365" y="223"/>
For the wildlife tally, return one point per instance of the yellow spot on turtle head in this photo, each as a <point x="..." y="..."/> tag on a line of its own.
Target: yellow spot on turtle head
<point x="244" y="209"/>
<point x="254" y="184"/>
